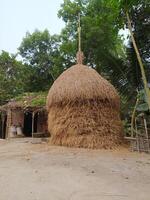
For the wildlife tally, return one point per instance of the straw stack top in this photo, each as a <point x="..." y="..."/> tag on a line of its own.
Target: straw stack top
<point x="81" y="83"/>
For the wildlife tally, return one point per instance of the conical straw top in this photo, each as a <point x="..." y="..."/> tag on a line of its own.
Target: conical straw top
<point x="80" y="55"/>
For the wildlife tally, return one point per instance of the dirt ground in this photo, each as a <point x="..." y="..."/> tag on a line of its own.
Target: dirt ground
<point x="31" y="171"/>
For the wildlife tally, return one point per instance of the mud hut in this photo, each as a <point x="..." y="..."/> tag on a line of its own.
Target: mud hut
<point x="26" y="113"/>
<point x="84" y="109"/>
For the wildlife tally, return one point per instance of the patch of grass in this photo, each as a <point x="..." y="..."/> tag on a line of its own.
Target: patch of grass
<point x="32" y="99"/>
<point x="39" y="101"/>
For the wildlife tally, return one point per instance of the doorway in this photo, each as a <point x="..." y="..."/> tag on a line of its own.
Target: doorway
<point x="4" y="127"/>
<point x="27" y="124"/>
<point x="1" y="127"/>
<point x="35" y="122"/>
<point x="3" y="124"/>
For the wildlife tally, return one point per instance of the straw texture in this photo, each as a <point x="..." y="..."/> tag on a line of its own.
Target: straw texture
<point x="84" y="110"/>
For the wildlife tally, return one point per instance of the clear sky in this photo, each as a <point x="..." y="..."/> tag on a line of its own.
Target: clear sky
<point x="19" y="16"/>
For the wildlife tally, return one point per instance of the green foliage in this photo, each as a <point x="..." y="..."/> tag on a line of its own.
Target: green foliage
<point x="40" y="51"/>
<point x="142" y="105"/>
<point x="12" y="74"/>
<point x="40" y="100"/>
<point x="127" y="127"/>
<point x="32" y="98"/>
<point x="101" y="43"/>
<point x="99" y="33"/>
<point x="139" y="15"/>
<point x="129" y="5"/>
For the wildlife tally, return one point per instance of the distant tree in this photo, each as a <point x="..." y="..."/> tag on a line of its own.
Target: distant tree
<point x="101" y="43"/>
<point x="100" y="40"/>
<point x="40" y="51"/>
<point x="136" y="18"/>
<point x="12" y="74"/>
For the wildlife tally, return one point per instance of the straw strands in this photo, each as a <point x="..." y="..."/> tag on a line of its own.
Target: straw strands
<point x="83" y="110"/>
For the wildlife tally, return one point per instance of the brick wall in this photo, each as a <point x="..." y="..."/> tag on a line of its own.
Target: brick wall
<point x="17" y="117"/>
<point x="42" y="122"/>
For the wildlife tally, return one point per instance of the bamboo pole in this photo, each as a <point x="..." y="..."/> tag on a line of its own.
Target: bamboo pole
<point x="79" y="34"/>
<point x="147" y="91"/>
<point x="133" y="117"/>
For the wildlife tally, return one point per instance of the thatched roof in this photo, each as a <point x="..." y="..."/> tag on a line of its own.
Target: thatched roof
<point x="27" y="101"/>
<point x="81" y="83"/>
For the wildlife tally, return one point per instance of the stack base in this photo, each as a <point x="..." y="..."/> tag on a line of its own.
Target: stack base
<point x="90" y="142"/>
<point x="85" y="126"/>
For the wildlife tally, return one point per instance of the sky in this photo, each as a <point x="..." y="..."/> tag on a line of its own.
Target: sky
<point x="19" y="16"/>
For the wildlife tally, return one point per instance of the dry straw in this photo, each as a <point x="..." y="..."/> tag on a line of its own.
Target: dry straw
<point x="84" y="110"/>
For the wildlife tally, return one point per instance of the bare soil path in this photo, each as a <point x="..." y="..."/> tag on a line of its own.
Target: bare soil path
<point x="42" y="172"/>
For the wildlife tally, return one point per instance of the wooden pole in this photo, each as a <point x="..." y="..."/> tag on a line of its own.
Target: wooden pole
<point x="9" y="122"/>
<point x="147" y="91"/>
<point x="2" y="129"/>
<point x="33" y="125"/>
<point x="133" y="117"/>
<point x="79" y="33"/>
<point x="137" y="137"/>
<point x="146" y="132"/>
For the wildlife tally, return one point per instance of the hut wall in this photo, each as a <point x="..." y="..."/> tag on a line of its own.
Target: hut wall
<point x="42" y="122"/>
<point x="1" y="126"/>
<point x="17" y="117"/>
<point x="9" y="120"/>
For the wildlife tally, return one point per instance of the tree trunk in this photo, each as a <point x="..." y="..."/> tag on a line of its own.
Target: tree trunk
<point x="147" y="91"/>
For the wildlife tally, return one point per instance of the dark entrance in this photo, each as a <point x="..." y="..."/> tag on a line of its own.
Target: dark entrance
<point x="35" y="122"/>
<point x="4" y="127"/>
<point x="3" y="122"/>
<point x="28" y="124"/>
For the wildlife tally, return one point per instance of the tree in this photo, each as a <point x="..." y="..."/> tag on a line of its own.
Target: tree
<point x="40" y="52"/>
<point x="101" y="43"/>
<point x="12" y="74"/>
<point x="137" y="8"/>
<point x="100" y="39"/>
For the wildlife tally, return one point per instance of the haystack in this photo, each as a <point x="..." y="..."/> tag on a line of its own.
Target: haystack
<point x="83" y="109"/>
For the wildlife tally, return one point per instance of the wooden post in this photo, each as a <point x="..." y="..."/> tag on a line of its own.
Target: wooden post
<point x="79" y="34"/>
<point x="9" y="121"/>
<point x="146" y="132"/>
<point x="133" y="117"/>
<point x="137" y="137"/>
<point x="32" y="124"/>
<point x="2" y="125"/>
